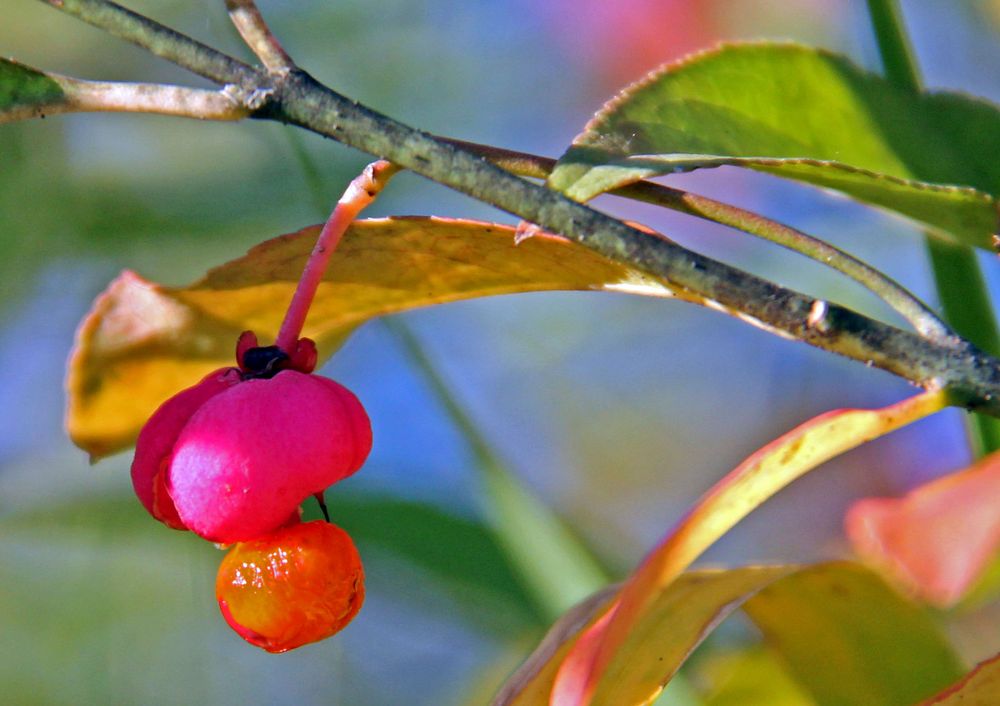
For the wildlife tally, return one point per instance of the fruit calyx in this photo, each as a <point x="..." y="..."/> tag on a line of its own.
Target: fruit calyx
<point x="258" y="362"/>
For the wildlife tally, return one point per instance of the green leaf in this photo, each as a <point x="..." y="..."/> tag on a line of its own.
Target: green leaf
<point x="142" y="342"/>
<point x="803" y="114"/>
<point x="849" y="639"/>
<point x="826" y="635"/>
<point x="680" y="617"/>
<point x="462" y="553"/>
<point x="101" y="604"/>
<point x="26" y="92"/>
<point x="549" y="558"/>
<point x="81" y="585"/>
<point x="449" y="548"/>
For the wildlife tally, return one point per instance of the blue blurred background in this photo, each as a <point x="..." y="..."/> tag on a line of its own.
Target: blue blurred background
<point x="616" y="411"/>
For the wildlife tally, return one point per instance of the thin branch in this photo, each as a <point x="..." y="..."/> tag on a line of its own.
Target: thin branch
<point x="65" y="94"/>
<point x="178" y="101"/>
<point x="923" y="319"/>
<point x="258" y="36"/>
<point x="297" y="98"/>
<point x="159" y="40"/>
<point x="91" y="96"/>
<point x="302" y="101"/>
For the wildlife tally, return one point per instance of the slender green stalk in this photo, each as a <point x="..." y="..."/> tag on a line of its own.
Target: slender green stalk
<point x="297" y="98"/>
<point x="558" y="570"/>
<point x="893" y="45"/>
<point x="960" y="285"/>
<point x="315" y="185"/>
<point x="923" y="319"/>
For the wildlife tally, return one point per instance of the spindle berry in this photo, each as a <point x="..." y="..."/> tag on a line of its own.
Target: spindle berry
<point x="233" y="457"/>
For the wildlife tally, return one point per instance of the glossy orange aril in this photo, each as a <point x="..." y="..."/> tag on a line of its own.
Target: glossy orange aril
<point x="301" y="584"/>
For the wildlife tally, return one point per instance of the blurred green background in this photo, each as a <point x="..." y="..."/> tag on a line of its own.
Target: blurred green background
<point x="617" y="412"/>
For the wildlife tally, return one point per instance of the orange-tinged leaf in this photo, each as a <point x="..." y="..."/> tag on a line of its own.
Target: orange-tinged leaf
<point x="143" y="342"/>
<point x="532" y="682"/>
<point x="731" y="499"/>
<point x="980" y="687"/>
<point x="815" y="600"/>
<point x="938" y="539"/>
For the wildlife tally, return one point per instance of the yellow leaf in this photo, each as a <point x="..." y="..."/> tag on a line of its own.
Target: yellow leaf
<point x="142" y="342"/>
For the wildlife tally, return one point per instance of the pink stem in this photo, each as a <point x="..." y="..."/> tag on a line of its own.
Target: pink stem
<point x="360" y="192"/>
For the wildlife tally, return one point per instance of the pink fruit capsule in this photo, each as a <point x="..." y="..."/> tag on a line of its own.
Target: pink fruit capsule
<point x="234" y="456"/>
